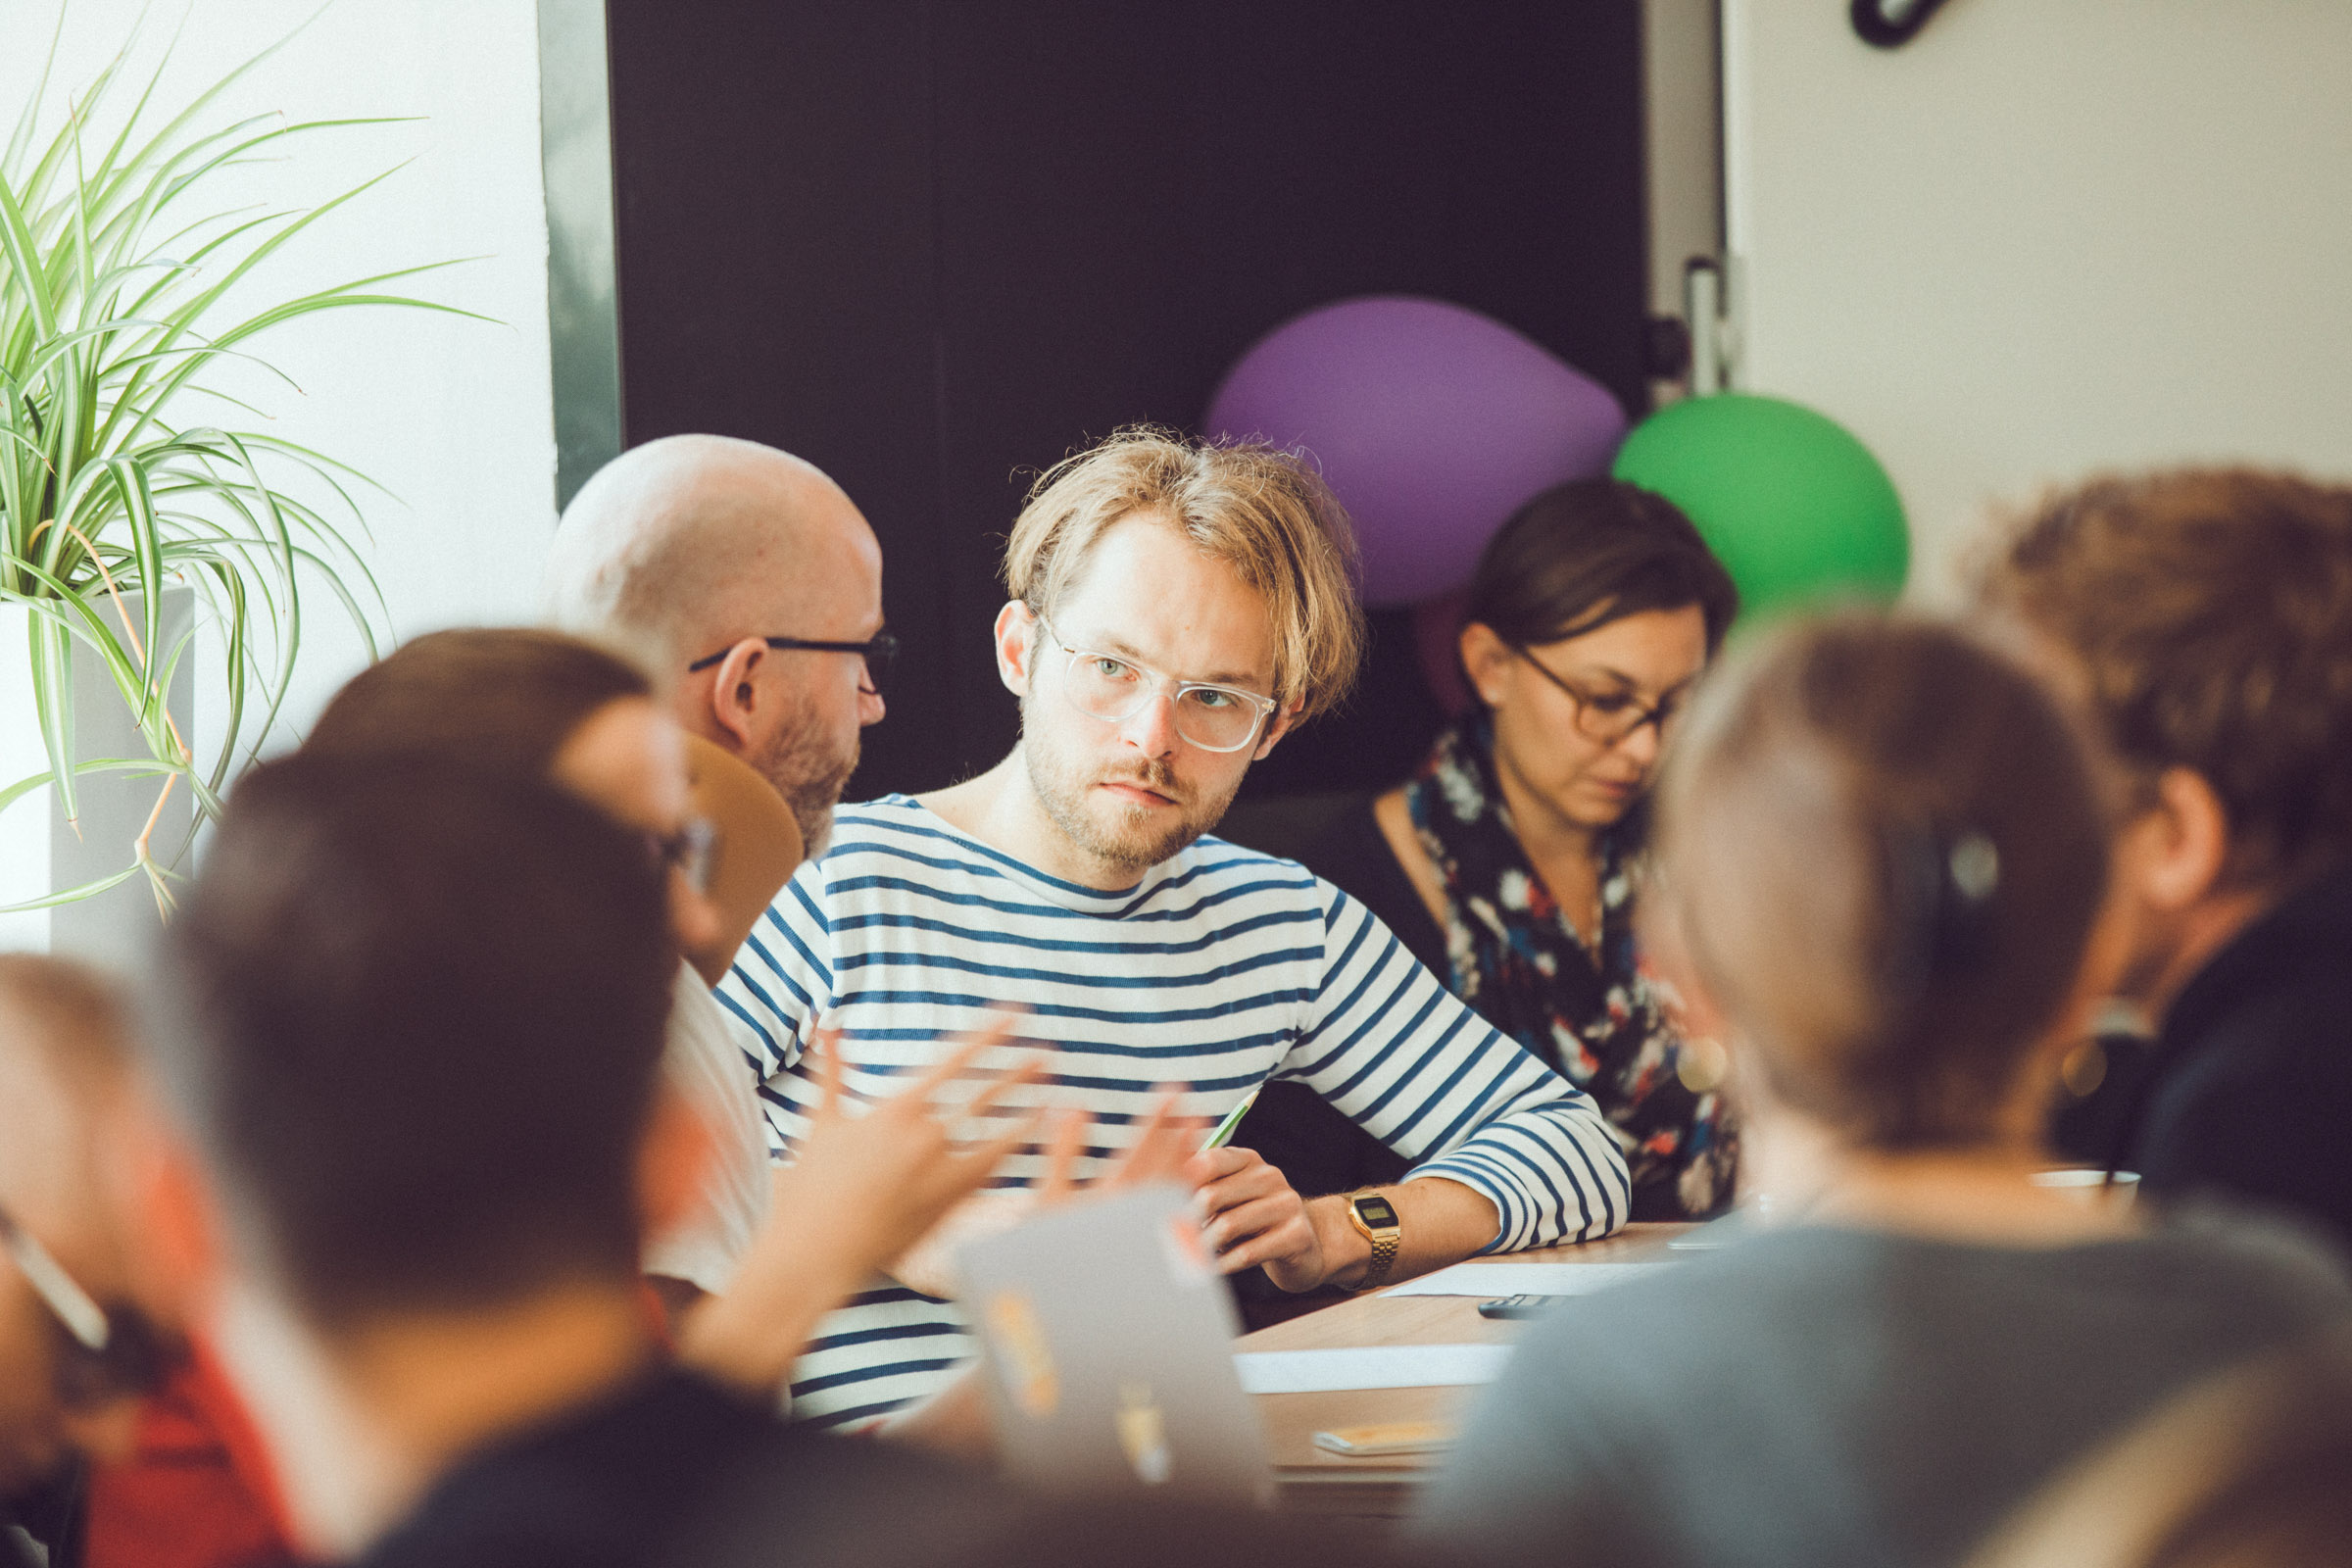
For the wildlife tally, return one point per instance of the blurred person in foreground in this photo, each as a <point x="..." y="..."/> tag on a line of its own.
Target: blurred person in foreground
<point x="1176" y="610"/>
<point x="87" y="1378"/>
<point x="753" y="585"/>
<point x="2206" y="617"/>
<point x="417" y="1264"/>
<point x="2251" y="1468"/>
<point x="542" y="705"/>
<point x="1882" y="860"/>
<point x="1507" y="864"/>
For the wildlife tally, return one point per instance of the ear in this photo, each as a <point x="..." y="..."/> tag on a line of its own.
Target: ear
<point x="673" y="1160"/>
<point x="2176" y="849"/>
<point x="1017" y="643"/>
<point x="734" y="700"/>
<point x="1484" y="656"/>
<point x="1284" y="718"/>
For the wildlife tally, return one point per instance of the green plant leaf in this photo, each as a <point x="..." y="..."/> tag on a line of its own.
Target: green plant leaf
<point x="87" y="890"/>
<point x="113" y="277"/>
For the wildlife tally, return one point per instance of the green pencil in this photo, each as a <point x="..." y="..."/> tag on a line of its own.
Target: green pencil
<point x="1233" y="1118"/>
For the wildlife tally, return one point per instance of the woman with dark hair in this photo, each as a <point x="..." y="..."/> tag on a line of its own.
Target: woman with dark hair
<point x="1505" y="864"/>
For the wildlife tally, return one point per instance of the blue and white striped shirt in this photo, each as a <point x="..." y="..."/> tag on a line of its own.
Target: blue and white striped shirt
<point x="1222" y="968"/>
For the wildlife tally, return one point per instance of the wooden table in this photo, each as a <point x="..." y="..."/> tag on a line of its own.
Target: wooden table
<point x="1318" y="1481"/>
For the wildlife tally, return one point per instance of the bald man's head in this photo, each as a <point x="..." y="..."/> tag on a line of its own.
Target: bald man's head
<point x="696" y="540"/>
<point x="701" y="548"/>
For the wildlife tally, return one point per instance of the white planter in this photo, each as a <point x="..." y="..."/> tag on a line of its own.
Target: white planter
<point x="41" y="853"/>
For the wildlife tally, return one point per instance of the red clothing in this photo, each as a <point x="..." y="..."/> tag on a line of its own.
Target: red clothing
<point x="197" y="1494"/>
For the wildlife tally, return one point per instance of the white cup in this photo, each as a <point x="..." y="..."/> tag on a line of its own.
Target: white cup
<point x="2090" y="1186"/>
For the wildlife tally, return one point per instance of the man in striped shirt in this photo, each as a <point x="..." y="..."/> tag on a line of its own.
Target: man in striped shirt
<point x="1176" y="610"/>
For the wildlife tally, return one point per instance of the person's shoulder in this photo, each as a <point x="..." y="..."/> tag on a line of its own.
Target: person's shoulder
<point x="2277" y="999"/>
<point x="598" y="1482"/>
<point x="1708" y="1304"/>
<point x="2251" y="1255"/>
<point x="884" y="836"/>
<point x="883" y="822"/>
<point x="817" y="1496"/>
<point x="1211" y="863"/>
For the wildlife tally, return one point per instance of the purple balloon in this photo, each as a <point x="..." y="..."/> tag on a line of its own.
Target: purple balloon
<point x="1433" y="424"/>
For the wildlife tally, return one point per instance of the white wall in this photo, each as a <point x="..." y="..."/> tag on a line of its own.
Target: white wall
<point x="2047" y="236"/>
<point x="452" y="416"/>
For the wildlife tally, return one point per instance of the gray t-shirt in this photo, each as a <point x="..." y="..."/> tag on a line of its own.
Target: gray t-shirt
<point x="1823" y="1397"/>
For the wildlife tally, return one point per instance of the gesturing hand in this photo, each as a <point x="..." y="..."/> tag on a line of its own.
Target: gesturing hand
<point x="863" y="1190"/>
<point x="880" y="1181"/>
<point x="1161" y="1146"/>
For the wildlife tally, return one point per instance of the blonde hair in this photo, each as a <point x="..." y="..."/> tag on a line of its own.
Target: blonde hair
<point x="1261" y="511"/>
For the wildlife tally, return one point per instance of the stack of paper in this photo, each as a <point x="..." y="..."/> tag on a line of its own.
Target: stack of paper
<point x="1370" y="1366"/>
<point x="1486" y="1281"/>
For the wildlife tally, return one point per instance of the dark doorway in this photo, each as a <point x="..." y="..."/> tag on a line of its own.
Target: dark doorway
<point x="933" y="246"/>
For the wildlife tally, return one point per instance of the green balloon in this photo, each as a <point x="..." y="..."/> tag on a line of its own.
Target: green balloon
<point x="1798" y="509"/>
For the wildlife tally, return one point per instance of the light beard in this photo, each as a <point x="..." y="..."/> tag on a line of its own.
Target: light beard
<point x="1125" y="844"/>
<point x="805" y="770"/>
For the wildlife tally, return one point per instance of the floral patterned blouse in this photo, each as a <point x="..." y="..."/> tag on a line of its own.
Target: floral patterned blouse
<point x="1597" y="1016"/>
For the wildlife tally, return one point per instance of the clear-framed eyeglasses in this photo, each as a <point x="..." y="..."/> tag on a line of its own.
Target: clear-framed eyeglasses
<point x="1113" y="689"/>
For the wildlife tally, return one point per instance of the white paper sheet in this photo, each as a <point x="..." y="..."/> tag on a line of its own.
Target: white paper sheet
<point x="1371" y="1366"/>
<point x="1486" y="1281"/>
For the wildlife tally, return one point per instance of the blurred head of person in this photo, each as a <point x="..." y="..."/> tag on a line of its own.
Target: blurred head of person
<point x="701" y="548"/>
<point x="406" y="1037"/>
<point x="542" y="705"/>
<point x="1588" y="621"/>
<point x="2205" y="618"/>
<point x="69" y="1380"/>
<point x="1881" y="859"/>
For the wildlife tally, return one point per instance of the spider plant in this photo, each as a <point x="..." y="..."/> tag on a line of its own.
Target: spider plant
<point x="125" y="465"/>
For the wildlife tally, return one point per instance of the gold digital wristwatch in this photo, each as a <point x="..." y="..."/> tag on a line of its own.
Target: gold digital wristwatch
<point x="1376" y="1218"/>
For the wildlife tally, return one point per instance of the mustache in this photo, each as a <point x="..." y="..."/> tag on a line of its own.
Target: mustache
<point x="1154" y="775"/>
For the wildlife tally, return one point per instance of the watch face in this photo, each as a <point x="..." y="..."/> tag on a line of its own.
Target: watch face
<point x="1376" y="1211"/>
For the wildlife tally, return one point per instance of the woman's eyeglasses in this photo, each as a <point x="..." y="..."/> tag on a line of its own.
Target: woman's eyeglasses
<point x="1609" y="718"/>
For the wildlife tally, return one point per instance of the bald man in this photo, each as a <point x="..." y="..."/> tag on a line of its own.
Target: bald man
<point x="757" y="585"/>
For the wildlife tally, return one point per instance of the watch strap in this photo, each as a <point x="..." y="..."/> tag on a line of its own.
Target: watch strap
<point x="1384" y="1243"/>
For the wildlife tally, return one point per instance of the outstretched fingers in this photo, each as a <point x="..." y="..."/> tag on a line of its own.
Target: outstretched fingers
<point x="978" y="1163"/>
<point x="995" y="1032"/>
<point x="1061" y="1157"/>
<point x="1161" y="1143"/>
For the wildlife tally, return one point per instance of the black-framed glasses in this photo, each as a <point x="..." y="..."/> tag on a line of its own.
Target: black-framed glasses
<point x="878" y="651"/>
<point x="1609" y="718"/>
<point x="103" y="1355"/>
<point x="1112" y="689"/>
<point x="692" y="850"/>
